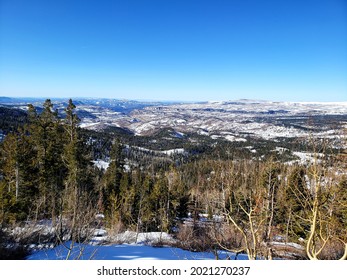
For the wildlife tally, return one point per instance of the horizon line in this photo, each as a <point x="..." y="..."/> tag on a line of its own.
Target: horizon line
<point x="168" y="101"/>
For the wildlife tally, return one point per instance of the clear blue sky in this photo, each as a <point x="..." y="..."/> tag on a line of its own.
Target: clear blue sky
<point x="292" y="50"/>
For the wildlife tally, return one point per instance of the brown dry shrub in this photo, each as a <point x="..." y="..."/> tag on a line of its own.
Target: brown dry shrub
<point x="333" y="250"/>
<point x="196" y="239"/>
<point x="208" y="237"/>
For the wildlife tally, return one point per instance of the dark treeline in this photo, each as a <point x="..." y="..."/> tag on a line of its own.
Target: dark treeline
<point x="11" y="119"/>
<point x="47" y="173"/>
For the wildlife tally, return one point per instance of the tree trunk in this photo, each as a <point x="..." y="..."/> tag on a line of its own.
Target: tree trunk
<point x="17" y="181"/>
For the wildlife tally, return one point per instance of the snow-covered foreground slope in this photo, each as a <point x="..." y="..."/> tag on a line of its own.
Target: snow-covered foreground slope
<point x="127" y="246"/>
<point x="127" y="252"/>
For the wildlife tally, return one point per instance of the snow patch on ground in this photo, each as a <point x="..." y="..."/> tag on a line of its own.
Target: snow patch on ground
<point x="131" y="237"/>
<point x="251" y="149"/>
<point x="166" y="152"/>
<point x="281" y="150"/>
<point x="232" y="138"/>
<point x="228" y="137"/>
<point x="308" y="157"/>
<point x="87" y="124"/>
<point x="173" y="151"/>
<point x="203" y="132"/>
<point x="101" y="164"/>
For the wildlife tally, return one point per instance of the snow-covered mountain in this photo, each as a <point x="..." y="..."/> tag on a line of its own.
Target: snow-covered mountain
<point x="231" y="120"/>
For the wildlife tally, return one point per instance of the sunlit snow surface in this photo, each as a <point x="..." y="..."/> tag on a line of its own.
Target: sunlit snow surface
<point x="127" y="252"/>
<point x="101" y="164"/>
<point x="133" y="247"/>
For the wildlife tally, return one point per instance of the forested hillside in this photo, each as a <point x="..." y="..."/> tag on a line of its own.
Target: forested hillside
<point x="208" y="196"/>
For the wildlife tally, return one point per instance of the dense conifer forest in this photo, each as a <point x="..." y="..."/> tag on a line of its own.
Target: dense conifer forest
<point x="209" y="197"/>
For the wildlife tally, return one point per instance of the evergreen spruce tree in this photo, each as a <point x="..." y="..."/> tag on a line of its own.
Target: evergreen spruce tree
<point x="10" y="172"/>
<point x="70" y="156"/>
<point x="127" y="195"/>
<point x="111" y="185"/>
<point x="79" y="202"/>
<point x="159" y="199"/>
<point x="46" y="137"/>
